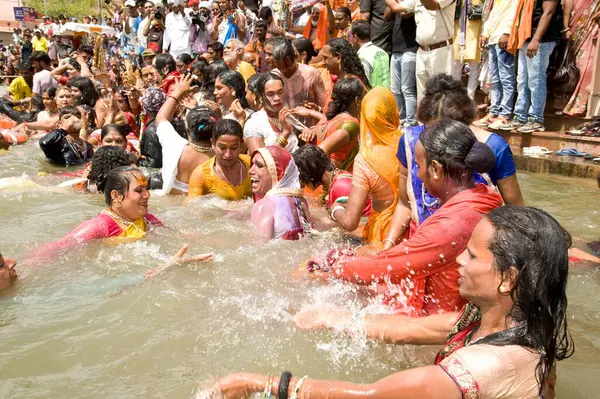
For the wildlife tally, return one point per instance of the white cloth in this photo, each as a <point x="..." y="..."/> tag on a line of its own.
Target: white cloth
<point x="431" y="63"/>
<point x="142" y="40"/>
<point x="433" y="26"/>
<point x="500" y="20"/>
<point x="172" y="148"/>
<point x="177" y="39"/>
<point x="258" y="125"/>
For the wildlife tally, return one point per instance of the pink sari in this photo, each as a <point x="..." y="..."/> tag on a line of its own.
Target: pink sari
<point x="584" y="25"/>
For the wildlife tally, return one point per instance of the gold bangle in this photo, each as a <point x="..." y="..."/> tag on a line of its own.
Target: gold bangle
<point x="282" y="141"/>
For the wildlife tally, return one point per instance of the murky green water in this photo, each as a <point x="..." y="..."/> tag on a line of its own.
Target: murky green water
<point x="65" y="336"/>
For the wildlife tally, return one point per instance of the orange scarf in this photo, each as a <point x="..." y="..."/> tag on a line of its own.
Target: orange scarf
<point x="321" y="37"/>
<point x="521" y="29"/>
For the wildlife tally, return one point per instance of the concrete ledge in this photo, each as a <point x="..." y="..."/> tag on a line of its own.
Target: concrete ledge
<point x="552" y="140"/>
<point x="559" y="165"/>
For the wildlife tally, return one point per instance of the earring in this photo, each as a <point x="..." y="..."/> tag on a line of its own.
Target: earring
<point x="233" y="93"/>
<point x="502" y="290"/>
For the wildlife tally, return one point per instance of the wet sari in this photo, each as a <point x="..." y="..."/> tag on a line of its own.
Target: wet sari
<point x="345" y="154"/>
<point x="379" y="136"/>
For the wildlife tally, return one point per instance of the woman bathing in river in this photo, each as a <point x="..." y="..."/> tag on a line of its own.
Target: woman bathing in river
<point x="504" y="344"/>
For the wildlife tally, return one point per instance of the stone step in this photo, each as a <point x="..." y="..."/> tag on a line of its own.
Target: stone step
<point x="552" y="140"/>
<point x="557" y="164"/>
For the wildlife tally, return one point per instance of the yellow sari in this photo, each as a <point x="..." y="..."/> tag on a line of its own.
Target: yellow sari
<point x="379" y="137"/>
<point x="204" y="181"/>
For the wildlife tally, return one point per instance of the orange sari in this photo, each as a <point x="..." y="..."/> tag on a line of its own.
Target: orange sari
<point x="379" y="136"/>
<point x="347" y="152"/>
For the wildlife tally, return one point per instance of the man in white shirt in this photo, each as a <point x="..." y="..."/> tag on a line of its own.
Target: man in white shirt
<point x="177" y="28"/>
<point x="148" y="17"/>
<point x="435" y="30"/>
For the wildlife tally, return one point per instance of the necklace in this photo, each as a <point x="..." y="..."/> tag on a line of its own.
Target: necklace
<point x="431" y="205"/>
<point x="225" y="176"/>
<point x="201" y="150"/>
<point x="122" y="221"/>
<point x="275" y="122"/>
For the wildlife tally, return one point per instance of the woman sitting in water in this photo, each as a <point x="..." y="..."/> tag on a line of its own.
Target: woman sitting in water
<point x="337" y="132"/>
<point x="316" y="170"/>
<point x="180" y="156"/>
<point x="445" y="98"/>
<point x="225" y="174"/>
<point x="424" y="268"/>
<point x="230" y="93"/>
<point x="64" y="146"/>
<point x="375" y="168"/>
<point x="505" y="342"/>
<point x="269" y="126"/>
<point x="279" y="210"/>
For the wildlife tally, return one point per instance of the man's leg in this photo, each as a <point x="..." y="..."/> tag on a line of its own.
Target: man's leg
<point x="506" y="73"/>
<point x="421" y="73"/>
<point x="538" y="66"/>
<point x="409" y="87"/>
<point x="523" y="98"/>
<point x="396" y="83"/>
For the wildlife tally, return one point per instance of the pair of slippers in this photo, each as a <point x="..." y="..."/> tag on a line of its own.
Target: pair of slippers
<point x="572" y="152"/>
<point x="536" y="151"/>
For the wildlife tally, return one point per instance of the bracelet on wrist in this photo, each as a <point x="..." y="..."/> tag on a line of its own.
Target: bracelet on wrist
<point x="335" y="209"/>
<point x="174" y="98"/>
<point x="284" y="385"/>
<point x="268" y="387"/>
<point x="390" y="241"/>
<point x="565" y="30"/>
<point x="282" y="141"/>
<point x="298" y="386"/>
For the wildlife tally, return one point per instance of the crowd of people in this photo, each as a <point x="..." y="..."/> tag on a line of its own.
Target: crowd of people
<point x="355" y="108"/>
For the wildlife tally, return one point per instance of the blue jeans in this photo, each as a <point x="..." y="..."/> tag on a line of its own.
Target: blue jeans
<point x="403" y="84"/>
<point x="502" y="79"/>
<point x="531" y="83"/>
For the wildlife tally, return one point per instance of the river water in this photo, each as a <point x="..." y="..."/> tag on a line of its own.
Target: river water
<point x="78" y="327"/>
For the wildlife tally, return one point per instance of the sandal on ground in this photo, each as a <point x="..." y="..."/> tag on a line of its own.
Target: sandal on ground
<point x="568" y="151"/>
<point x="536" y="151"/>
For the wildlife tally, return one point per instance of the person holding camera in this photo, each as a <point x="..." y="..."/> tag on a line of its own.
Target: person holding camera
<point x="229" y="23"/>
<point x="200" y="15"/>
<point x="178" y="28"/>
<point x="150" y="31"/>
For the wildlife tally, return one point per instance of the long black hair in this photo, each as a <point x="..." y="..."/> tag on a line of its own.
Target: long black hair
<point x="89" y="94"/>
<point x="104" y="160"/>
<point x="455" y="147"/>
<point x="312" y="163"/>
<point x="200" y="122"/>
<point x="235" y="81"/>
<point x="535" y="244"/>
<point x="345" y="92"/>
<point x="260" y="86"/>
<point x="210" y="75"/>
<point x="118" y="179"/>
<point x="446" y="98"/>
<point x="350" y="62"/>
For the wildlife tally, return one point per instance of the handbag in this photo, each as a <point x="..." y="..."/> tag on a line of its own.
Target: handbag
<point x="563" y="74"/>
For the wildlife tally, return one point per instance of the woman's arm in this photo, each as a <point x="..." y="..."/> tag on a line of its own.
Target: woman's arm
<point x="391" y="329"/>
<point x="254" y="143"/>
<point x="430" y="382"/>
<point x="263" y="219"/>
<point x="338" y="139"/>
<point x="402" y="215"/>
<point x="349" y="217"/>
<point x="40" y="125"/>
<point x="511" y="191"/>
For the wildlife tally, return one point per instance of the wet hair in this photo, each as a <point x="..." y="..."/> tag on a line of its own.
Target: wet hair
<point x="256" y="80"/>
<point x="217" y="47"/>
<point x="51" y="92"/>
<point x="536" y="245"/>
<point x="312" y="163"/>
<point x="303" y="45"/>
<point x="235" y="81"/>
<point x="118" y="179"/>
<point x="210" y="75"/>
<point x="200" y="65"/>
<point x="345" y="92"/>
<point x="260" y="85"/>
<point x="455" y="147"/>
<point x="345" y="10"/>
<point x="104" y="160"/>
<point x="350" y="62"/>
<point x="283" y="49"/>
<point x="185" y="58"/>
<point x="40" y="56"/>
<point x="69" y="111"/>
<point x="200" y="122"/>
<point x="228" y="127"/>
<point x="113" y="127"/>
<point x="361" y="29"/>
<point x="265" y="13"/>
<point x="261" y="23"/>
<point x="89" y="95"/>
<point x="165" y="60"/>
<point x="445" y="97"/>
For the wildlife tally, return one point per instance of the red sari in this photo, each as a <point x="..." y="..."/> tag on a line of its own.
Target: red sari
<point x="423" y="270"/>
<point x="169" y="81"/>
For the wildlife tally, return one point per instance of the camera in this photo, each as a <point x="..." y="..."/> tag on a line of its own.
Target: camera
<point x="75" y="64"/>
<point x="158" y="14"/>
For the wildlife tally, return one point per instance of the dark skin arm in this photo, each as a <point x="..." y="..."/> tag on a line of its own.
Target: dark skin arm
<point x="548" y="9"/>
<point x="567" y="8"/>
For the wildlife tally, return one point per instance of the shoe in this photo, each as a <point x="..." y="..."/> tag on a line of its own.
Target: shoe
<point x="501" y="123"/>
<point x="485" y="121"/>
<point x="531" y="126"/>
<point x="536" y="151"/>
<point x="515" y="124"/>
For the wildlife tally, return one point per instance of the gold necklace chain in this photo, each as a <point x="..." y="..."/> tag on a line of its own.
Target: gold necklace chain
<point x="201" y="150"/>
<point x="121" y="220"/>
